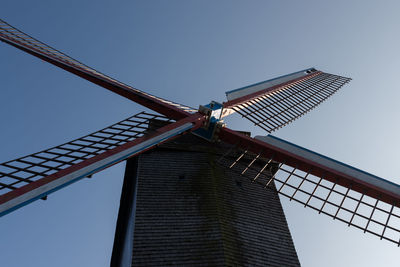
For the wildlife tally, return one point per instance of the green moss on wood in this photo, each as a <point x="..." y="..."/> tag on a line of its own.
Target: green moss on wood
<point x="213" y="203"/>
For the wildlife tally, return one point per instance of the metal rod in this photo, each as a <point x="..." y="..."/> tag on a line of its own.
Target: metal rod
<point x="372" y="213"/>
<point x="387" y="220"/>
<point x="355" y="211"/>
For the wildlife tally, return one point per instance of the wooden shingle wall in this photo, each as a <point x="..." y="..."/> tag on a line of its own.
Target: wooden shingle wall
<point x="192" y="212"/>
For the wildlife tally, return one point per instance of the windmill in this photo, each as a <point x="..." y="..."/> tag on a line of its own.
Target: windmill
<point x="373" y="203"/>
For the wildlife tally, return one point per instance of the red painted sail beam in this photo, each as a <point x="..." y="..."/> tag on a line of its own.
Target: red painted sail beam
<point x="343" y="175"/>
<point x="18" y="39"/>
<point x="268" y="89"/>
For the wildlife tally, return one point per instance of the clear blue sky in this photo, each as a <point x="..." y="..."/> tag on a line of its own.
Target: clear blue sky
<point x="192" y="52"/>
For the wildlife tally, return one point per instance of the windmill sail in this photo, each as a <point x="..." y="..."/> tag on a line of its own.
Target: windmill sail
<point x="35" y="176"/>
<point x="342" y="192"/>
<point x="274" y="103"/>
<point x="17" y="38"/>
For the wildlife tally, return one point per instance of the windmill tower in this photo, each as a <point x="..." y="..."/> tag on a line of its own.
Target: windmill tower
<point x="330" y="187"/>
